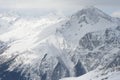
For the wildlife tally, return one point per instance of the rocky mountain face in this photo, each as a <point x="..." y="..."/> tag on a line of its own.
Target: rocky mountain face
<point x="53" y="48"/>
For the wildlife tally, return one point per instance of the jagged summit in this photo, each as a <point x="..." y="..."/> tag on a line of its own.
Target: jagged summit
<point x="91" y="10"/>
<point x="92" y="13"/>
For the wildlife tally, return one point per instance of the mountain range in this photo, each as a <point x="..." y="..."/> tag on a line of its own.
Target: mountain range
<point x="85" y="45"/>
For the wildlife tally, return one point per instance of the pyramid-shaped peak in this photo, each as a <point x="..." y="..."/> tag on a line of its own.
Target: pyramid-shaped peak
<point x="92" y="13"/>
<point x="91" y="10"/>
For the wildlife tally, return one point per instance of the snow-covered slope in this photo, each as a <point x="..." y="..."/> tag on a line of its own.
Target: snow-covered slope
<point x="26" y="44"/>
<point x="54" y="47"/>
<point x="98" y="75"/>
<point x="98" y="48"/>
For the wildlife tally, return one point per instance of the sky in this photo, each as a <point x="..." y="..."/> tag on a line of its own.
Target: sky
<point x="111" y="7"/>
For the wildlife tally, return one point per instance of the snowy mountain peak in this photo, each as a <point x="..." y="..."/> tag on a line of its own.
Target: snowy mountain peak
<point x="92" y="13"/>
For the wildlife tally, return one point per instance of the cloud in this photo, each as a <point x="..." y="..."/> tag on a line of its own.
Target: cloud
<point x="57" y="4"/>
<point x="61" y="5"/>
<point x="116" y="14"/>
<point x="37" y="3"/>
